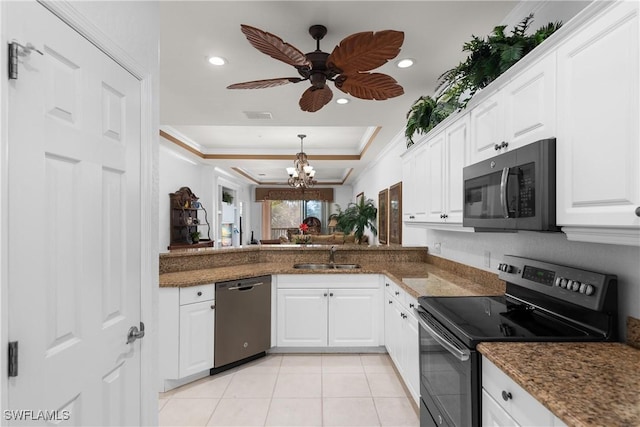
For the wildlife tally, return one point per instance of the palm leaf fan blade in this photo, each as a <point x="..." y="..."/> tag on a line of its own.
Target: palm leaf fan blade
<point x="369" y="86"/>
<point x="365" y="51"/>
<point x="262" y="84"/>
<point x="314" y="99"/>
<point x="274" y="46"/>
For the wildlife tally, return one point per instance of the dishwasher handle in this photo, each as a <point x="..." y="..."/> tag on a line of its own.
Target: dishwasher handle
<point x="247" y="287"/>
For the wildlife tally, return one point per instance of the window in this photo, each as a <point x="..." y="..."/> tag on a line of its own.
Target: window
<point x="286" y="214"/>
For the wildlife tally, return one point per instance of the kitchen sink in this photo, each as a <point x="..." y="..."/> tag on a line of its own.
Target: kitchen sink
<point x="326" y="266"/>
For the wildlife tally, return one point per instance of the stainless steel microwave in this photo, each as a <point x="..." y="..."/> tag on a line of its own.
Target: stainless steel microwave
<point x="512" y="191"/>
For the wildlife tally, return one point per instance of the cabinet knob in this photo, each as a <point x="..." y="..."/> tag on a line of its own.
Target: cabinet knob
<point x="390" y="302"/>
<point x="325" y="294"/>
<point x="506" y="395"/>
<point x="386" y="284"/>
<point x="638" y="211"/>
<point x="213" y="306"/>
<point x="411" y="305"/>
<point x="331" y="294"/>
<point x="199" y="293"/>
<point x="397" y="293"/>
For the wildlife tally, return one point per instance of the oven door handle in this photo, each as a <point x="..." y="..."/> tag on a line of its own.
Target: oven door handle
<point x="503" y="191"/>
<point x="459" y="354"/>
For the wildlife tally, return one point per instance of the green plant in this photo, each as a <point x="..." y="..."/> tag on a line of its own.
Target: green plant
<point x="486" y="61"/>
<point x="490" y="57"/>
<point x="227" y="197"/>
<point x="195" y="236"/>
<point x="424" y="115"/>
<point x="357" y="217"/>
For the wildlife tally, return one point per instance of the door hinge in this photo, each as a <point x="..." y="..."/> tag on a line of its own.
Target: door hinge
<point x="13" y="359"/>
<point x="13" y="61"/>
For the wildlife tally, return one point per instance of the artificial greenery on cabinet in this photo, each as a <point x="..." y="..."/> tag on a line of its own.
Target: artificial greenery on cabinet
<point x="488" y="58"/>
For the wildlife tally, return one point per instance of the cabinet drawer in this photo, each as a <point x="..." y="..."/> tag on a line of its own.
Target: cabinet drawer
<point x="523" y="407"/>
<point x="199" y="293"/>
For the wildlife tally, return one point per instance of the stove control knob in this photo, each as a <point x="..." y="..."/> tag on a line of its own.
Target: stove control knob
<point x="583" y="288"/>
<point x="506" y="268"/>
<point x="558" y="280"/>
<point x="590" y="289"/>
<point x="563" y="282"/>
<point x="575" y="286"/>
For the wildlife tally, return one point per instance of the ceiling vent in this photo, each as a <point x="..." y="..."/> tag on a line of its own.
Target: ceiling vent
<point x="258" y="115"/>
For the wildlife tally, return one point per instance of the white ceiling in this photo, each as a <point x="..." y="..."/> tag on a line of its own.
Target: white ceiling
<point x="197" y="108"/>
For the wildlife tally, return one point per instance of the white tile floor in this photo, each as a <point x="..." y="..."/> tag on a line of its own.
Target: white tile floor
<point x="295" y="390"/>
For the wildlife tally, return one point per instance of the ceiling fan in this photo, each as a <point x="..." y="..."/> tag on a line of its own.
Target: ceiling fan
<point x="347" y="66"/>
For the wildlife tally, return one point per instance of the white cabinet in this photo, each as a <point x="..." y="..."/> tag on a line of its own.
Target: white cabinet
<point x="520" y="112"/>
<point x="186" y="333"/>
<point x="505" y="403"/>
<point x="302" y="317"/>
<point x="447" y="154"/>
<point x="598" y="167"/>
<point x="414" y="177"/>
<point x="401" y="335"/>
<point x="328" y="311"/>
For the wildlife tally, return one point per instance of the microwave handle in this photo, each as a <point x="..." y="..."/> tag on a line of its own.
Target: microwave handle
<point x="503" y="191"/>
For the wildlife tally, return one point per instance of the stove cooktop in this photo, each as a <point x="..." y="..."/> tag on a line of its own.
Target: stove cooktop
<point x="543" y="302"/>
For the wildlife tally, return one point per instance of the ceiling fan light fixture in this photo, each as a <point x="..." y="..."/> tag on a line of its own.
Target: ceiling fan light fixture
<point x="342" y="101"/>
<point x="405" y="63"/>
<point x="217" y="60"/>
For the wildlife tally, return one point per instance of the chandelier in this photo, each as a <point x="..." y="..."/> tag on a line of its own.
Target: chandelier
<point x="301" y="175"/>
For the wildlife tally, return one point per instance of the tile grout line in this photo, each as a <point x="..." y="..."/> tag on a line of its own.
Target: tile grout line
<point x="275" y="383"/>
<point x="375" y="407"/>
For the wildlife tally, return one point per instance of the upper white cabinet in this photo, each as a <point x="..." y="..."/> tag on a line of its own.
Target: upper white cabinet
<point x="598" y="151"/>
<point x="520" y="112"/>
<point x="414" y="176"/>
<point x="447" y="154"/>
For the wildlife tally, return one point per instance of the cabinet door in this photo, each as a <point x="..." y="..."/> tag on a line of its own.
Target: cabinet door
<point x="393" y="330"/>
<point x="493" y="415"/>
<point x="354" y="317"/>
<point x="414" y="177"/>
<point x="598" y="122"/>
<point x="408" y="188"/>
<point x="530" y="104"/>
<point x="302" y="317"/>
<point x="456" y="158"/>
<point x="411" y="353"/>
<point x="487" y="127"/>
<point x="435" y="175"/>
<point x="196" y="338"/>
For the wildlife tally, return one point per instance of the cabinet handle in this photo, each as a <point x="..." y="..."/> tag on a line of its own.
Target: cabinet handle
<point x="325" y="294"/>
<point x="387" y="285"/>
<point x="496" y="147"/>
<point x="506" y="395"/>
<point x="331" y="294"/>
<point x="390" y="302"/>
<point x="397" y="293"/>
<point x="411" y="305"/>
<point x="411" y="217"/>
<point x="199" y="293"/>
<point x="504" y="144"/>
<point x="213" y="306"/>
<point x="638" y="211"/>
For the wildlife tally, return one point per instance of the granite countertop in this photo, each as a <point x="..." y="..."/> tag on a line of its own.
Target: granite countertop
<point x="583" y="384"/>
<point x="417" y="278"/>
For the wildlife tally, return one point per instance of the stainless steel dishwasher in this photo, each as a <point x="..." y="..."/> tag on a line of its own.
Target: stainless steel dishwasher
<point x="243" y="321"/>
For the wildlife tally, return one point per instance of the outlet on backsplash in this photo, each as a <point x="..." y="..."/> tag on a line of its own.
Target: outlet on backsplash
<point x="437" y="248"/>
<point x="487" y="259"/>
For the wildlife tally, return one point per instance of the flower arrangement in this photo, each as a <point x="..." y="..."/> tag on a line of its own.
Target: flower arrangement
<point x="302" y="238"/>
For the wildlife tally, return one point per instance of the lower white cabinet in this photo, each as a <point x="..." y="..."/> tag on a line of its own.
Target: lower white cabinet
<point x="186" y="333"/>
<point x="402" y="335"/>
<point x="328" y="311"/>
<point x="505" y="403"/>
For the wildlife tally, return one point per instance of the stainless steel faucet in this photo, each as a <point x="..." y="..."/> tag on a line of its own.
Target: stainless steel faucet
<point x="332" y="255"/>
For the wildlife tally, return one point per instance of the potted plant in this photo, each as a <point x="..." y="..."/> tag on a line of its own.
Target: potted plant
<point x="488" y="58"/>
<point x="357" y="217"/>
<point x="195" y="236"/>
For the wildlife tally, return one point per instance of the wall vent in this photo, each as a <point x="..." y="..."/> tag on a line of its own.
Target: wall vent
<point x="258" y="115"/>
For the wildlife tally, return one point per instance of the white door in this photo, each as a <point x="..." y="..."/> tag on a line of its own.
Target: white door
<point x="74" y="261"/>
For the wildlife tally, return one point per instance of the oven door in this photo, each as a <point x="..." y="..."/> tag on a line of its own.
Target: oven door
<point x="449" y="377"/>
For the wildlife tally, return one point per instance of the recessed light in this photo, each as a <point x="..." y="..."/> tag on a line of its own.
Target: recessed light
<point x="405" y="63"/>
<point x="342" y="101"/>
<point x="217" y="60"/>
